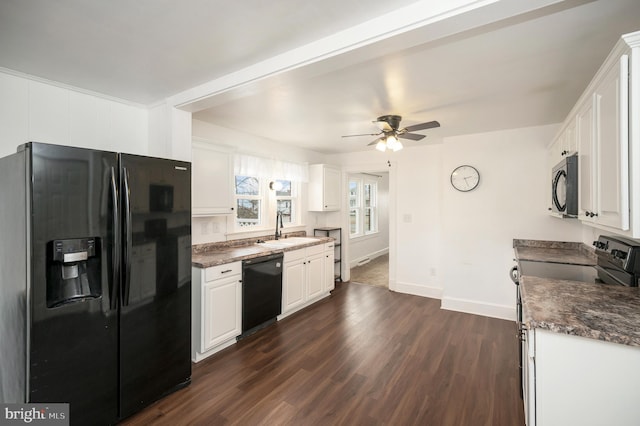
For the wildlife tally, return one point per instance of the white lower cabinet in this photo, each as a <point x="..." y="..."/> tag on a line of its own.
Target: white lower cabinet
<point x="329" y="263"/>
<point x="293" y="281"/>
<point x="315" y="273"/>
<point x="528" y="378"/>
<point x="217" y="308"/>
<point x="573" y="380"/>
<point x="303" y="278"/>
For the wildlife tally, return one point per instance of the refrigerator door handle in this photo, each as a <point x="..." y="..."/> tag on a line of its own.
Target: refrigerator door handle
<point x="127" y="236"/>
<point x="115" y="254"/>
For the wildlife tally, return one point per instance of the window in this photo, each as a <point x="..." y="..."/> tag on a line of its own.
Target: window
<point x="264" y="187"/>
<point x="257" y="203"/>
<point x="369" y="206"/>
<point x="354" y="208"/>
<point x="249" y="201"/>
<point x="286" y="200"/>
<point x="363" y="212"/>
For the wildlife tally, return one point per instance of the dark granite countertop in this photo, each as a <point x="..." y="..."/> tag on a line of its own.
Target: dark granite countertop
<point x="214" y="254"/>
<point x="586" y="309"/>
<point x="598" y="311"/>
<point x="554" y="252"/>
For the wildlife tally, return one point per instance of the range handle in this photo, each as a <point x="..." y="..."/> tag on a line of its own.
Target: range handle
<point x="115" y="249"/>
<point x="515" y="275"/>
<point x="127" y="235"/>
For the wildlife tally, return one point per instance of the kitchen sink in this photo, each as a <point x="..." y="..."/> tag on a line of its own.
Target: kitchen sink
<point x="298" y="240"/>
<point x="288" y="242"/>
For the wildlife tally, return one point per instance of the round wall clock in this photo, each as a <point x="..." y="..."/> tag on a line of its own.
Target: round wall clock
<point x="465" y="178"/>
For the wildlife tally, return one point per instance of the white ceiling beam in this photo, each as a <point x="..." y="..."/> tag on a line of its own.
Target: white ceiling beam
<point x="422" y="22"/>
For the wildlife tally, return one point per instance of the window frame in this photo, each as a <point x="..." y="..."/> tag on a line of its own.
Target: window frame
<point x="372" y="208"/>
<point x="360" y="208"/>
<point x="293" y="198"/>
<point x="259" y="197"/>
<point x="268" y="205"/>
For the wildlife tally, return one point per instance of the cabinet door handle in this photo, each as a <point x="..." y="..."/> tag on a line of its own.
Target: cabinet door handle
<point x="224" y="272"/>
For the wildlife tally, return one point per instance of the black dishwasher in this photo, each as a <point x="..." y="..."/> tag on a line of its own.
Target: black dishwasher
<point x="261" y="292"/>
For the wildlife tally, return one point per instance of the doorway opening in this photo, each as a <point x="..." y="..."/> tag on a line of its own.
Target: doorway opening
<point x="368" y="231"/>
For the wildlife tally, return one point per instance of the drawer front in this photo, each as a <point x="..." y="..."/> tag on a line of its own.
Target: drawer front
<point x="294" y="255"/>
<point x="222" y="271"/>
<point x="329" y="246"/>
<point x="311" y="250"/>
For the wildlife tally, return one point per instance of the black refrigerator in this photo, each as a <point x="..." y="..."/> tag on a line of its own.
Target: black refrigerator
<point x="95" y="261"/>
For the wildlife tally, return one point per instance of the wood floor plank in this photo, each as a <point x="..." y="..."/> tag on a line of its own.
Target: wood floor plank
<point x="364" y="356"/>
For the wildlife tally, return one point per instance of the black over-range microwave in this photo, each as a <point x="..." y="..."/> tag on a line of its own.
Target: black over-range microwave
<point x="564" y="187"/>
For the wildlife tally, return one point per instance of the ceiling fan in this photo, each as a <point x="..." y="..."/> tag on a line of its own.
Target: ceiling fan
<point x="390" y="132"/>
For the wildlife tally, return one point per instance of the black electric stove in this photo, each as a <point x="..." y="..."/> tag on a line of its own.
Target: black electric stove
<point x="618" y="260"/>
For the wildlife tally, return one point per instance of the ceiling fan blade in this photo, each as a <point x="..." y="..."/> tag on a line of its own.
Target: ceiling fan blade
<point x="374" y="142"/>
<point x="412" y="136"/>
<point x="362" y="134"/>
<point x="383" y="125"/>
<point x="422" y="126"/>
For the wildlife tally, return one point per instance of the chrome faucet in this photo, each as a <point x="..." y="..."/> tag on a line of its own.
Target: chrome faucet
<point x="278" y="221"/>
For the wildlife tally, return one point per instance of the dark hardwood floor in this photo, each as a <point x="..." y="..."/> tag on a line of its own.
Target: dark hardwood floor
<point x="364" y="356"/>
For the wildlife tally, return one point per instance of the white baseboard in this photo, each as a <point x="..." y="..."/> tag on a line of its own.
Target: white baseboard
<point x="368" y="258"/>
<point x="460" y="305"/>
<point x="418" y="290"/>
<point x="479" y="308"/>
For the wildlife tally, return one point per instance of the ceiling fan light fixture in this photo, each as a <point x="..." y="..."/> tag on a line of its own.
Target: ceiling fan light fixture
<point x="390" y="132"/>
<point x="391" y="141"/>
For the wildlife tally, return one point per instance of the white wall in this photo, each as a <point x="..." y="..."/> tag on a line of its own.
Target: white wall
<point x="32" y="110"/>
<point x="478" y="227"/>
<point x="414" y="214"/>
<point x="458" y="246"/>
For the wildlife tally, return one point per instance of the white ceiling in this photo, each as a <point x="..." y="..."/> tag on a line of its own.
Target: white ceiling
<point x="494" y="67"/>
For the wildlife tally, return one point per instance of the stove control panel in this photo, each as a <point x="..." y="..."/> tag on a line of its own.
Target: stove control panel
<point x="620" y="252"/>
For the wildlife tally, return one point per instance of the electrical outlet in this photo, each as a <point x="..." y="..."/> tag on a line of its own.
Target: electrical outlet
<point x="433" y="272"/>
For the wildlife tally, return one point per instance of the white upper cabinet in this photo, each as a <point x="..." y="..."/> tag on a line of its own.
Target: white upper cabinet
<point x="211" y="172"/>
<point x="607" y="142"/>
<point x="324" y="187"/>
<point x="564" y="144"/>
<point x="612" y="146"/>
<point x="586" y="166"/>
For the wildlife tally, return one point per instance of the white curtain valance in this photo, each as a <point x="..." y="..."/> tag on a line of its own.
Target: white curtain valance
<point x="249" y="165"/>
